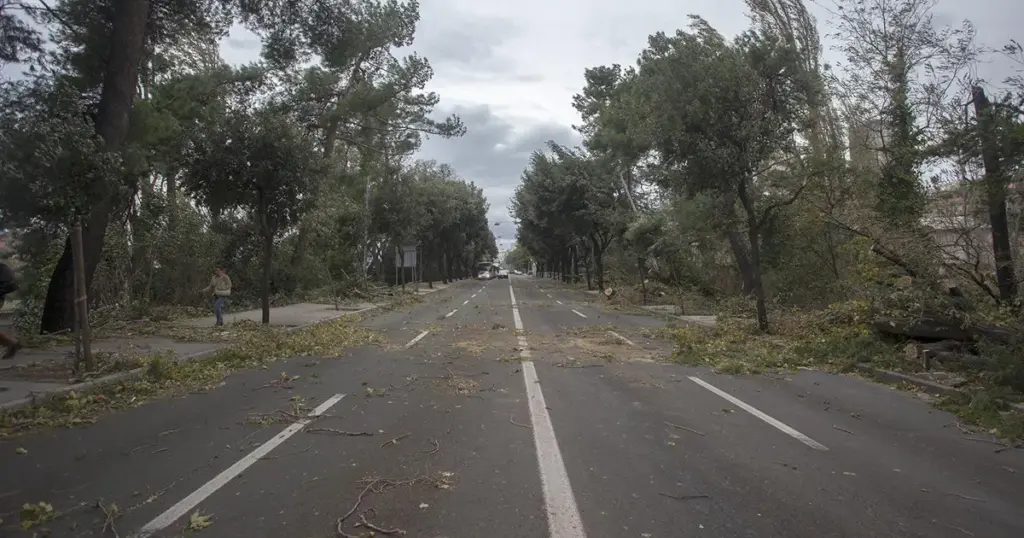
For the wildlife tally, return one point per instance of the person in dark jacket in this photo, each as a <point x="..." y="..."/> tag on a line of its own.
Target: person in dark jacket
<point x="8" y="284"/>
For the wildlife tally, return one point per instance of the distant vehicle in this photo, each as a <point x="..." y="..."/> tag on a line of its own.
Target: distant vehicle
<point x="503" y="273"/>
<point x="484" y="275"/>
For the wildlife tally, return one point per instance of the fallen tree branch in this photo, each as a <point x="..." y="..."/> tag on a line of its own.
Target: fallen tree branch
<point x="395" y="440"/>
<point x="684" y="497"/>
<point x="338" y="432"/>
<point x="516" y="423"/>
<point x="359" y="500"/>
<point x="684" y="428"/>
<point x="372" y="527"/>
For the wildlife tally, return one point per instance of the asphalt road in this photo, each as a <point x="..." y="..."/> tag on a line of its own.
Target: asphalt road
<point x="595" y="436"/>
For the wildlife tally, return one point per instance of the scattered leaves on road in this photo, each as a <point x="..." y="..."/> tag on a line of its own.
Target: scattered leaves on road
<point x="198" y="522"/>
<point x="163" y="377"/>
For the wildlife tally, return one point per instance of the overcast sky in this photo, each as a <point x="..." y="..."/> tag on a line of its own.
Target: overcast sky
<point x="510" y="69"/>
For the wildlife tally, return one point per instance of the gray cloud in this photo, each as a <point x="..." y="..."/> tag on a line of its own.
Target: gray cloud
<point x="493" y="154"/>
<point x="450" y="37"/>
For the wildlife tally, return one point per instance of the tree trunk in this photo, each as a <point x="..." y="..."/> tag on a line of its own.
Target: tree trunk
<point x="995" y="190"/>
<point x="599" y="267"/>
<point x="128" y="28"/>
<point x="268" y="259"/>
<point x="743" y="261"/>
<point x="755" y="267"/>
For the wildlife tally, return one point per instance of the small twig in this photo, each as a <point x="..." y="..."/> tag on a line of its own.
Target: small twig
<point x="965" y="531"/>
<point x="684" y="428"/>
<point x="395" y="440"/>
<point x="841" y="429"/>
<point x="372" y="527"/>
<point x="433" y="451"/>
<point x="108" y="523"/>
<point x="338" y="432"/>
<point x="159" y="450"/>
<point x="359" y="500"/>
<point x="138" y="448"/>
<point x="168" y="432"/>
<point x="968" y="497"/>
<point x="684" y="497"/>
<point x="516" y="423"/>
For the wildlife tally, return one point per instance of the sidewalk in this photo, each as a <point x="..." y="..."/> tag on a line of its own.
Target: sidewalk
<point x="40" y="372"/>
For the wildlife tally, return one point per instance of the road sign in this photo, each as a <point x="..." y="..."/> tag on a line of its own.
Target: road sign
<point x="406" y="257"/>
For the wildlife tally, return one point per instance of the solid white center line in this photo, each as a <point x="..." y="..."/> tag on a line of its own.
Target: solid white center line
<point x="417" y="339"/>
<point x="563" y="515"/>
<point x="578" y="313"/>
<point x="449" y="314"/>
<point x="184" y="506"/>
<point x="623" y="338"/>
<point x="757" y="413"/>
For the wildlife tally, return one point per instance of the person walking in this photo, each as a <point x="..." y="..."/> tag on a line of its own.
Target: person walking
<point x="8" y="284"/>
<point x="220" y="285"/>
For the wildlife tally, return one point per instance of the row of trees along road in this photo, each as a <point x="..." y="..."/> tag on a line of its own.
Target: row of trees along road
<point x="747" y="167"/>
<point x="294" y="172"/>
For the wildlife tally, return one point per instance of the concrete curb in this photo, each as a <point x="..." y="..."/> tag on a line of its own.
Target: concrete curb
<point x="37" y="398"/>
<point x="924" y="384"/>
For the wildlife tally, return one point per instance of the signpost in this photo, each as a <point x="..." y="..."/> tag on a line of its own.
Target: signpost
<point x="405" y="258"/>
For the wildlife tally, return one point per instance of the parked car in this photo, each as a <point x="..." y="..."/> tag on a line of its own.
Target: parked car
<point x="503" y="273"/>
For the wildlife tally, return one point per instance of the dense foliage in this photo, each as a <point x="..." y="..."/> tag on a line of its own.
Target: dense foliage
<point x="293" y="173"/>
<point x="745" y="167"/>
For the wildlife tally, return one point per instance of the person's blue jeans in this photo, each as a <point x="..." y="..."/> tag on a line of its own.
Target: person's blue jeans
<point x="218" y="308"/>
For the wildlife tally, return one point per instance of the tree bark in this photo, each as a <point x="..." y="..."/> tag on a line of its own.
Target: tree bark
<point x="128" y="28"/>
<point x="995" y="190"/>
<point x="268" y="259"/>
<point x="743" y="262"/>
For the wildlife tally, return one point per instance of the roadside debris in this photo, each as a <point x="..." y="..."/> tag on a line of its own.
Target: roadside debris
<point x="516" y="423"/>
<point x="684" y="497"/>
<point x="684" y="428"/>
<point x="395" y="440"/>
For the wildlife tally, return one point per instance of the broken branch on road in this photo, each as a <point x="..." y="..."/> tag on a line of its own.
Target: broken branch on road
<point x="395" y="440"/>
<point x="691" y="430"/>
<point x="516" y="423"/>
<point x="364" y="523"/>
<point x="334" y="431"/>
<point x="684" y="497"/>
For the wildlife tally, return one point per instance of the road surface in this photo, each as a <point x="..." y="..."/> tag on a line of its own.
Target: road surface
<point x="594" y="435"/>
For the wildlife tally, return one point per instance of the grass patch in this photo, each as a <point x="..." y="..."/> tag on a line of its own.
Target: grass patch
<point x="163" y="376"/>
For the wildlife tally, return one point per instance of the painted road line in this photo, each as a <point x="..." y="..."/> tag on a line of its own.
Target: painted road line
<point x="578" y="313"/>
<point x="559" y="302"/>
<point x="472" y="296"/>
<point x="186" y="505"/>
<point x="466" y="302"/>
<point x="417" y="339"/>
<point x="623" y="338"/>
<point x="757" y="413"/>
<point x="564" y="519"/>
<point x="449" y="314"/>
<point x="548" y="294"/>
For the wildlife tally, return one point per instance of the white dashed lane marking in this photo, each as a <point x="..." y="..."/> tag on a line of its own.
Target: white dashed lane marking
<point x="417" y="339"/>
<point x="563" y="514"/>
<point x="578" y="313"/>
<point x="757" y="413"/>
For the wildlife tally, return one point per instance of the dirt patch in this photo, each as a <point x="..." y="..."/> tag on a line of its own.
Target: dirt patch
<point x="457" y="384"/>
<point x="600" y="346"/>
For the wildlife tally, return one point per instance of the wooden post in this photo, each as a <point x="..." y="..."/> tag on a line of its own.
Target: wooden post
<point x="81" y="296"/>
